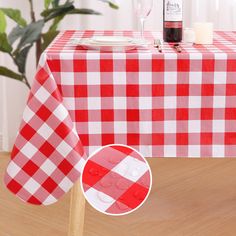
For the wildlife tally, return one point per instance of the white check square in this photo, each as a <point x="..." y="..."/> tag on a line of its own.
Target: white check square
<point x="94" y="103"/>
<point x="195" y="102"/>
<point x="31" y="186"/>
<point x="66" y="184"/>
<point x="29" y="150"/>
<point x="218" y="126"/>
<point x="48" y="167"/>
<point x="120" y="127"/>
<point x="194" y="126"/>
<point x="120" y="103"/>
<point x="170" y="77"/>
<point x="99" y="200"/>
<point x="60" y="112"/>
<point x="42" y="95"/>
<point x="170" y="151"/>
<point x="170" y="102"/>
<point x="93" y="78"/>
<point x="28" y="114"/>
<point x="67" y="78"/>
<point x="170" y="127"/>
<point x="13" y="169"/>
<point x="45" y="131"/>
<point x="145" y="103"/>
<point x="64" y="148"/>
<point x="145" y="78"/>
<point x="94" y="127"/>
<point x="219" y="102"/>
<point x="131" y="168"/>
<point x="119" y="78"/>
<point x="195" y="77"/>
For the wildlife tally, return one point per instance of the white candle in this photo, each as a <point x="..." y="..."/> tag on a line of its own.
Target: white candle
<point x="189" y="36"/>
<point x="204" y="33"/>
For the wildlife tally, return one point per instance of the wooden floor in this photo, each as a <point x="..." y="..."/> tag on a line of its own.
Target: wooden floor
<point x="189" y="198"/>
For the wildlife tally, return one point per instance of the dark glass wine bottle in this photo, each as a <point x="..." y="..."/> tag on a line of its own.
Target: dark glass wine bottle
<point x="173" y="21"/>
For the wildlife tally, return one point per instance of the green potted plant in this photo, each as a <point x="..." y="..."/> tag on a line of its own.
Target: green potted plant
<point x="24" y="35"/>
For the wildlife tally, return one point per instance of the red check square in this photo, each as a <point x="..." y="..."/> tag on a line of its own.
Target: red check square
<point x="182" y="90"/>
<point x="182" y="139"/>
<point x="106" y="65"/>
<point x="107" y="91"/>
<point x="208" y="65"/>
<point x="65" y="167"/>
<point x="93" y="172"/>
<point x="30" y="168"/>
<point x="230" y="138"/>
<point x="47" y="149"/>
<point x="132" y="65"/>
<point x="107" y="115"/>
<point x="182" y="114"/>
<point x="14" y="186"/>
<point x="158" y="65"/>
<point x="158" y="139"/>
<point x="158" y="114"/>
<point x="107" y="139"/>
<point x="230" y="113"/>
<point x="132" y="90"/>
<point x="43" y="113"/>
<point x="207" y="113"/>
<point x="231" y="65"/>
<point x="62" y="130"/>
<point x="81" y="115"/>
<point x="54" y="65"/>
<point x="133" y="115"/>
<point x="133" y="139"/>
<point x="133" y="196"/>
<point x="50" y="185"/>
<point x="158" y="90"/>
<point x="206" y="138"/>
<point x="27" y="132"/>
<point x="231" y="89"/>
<point x="81" y="91"/>
<point x="207" y="90"/>
<point x="183" y="65"/>
<point x="80" y="65"/>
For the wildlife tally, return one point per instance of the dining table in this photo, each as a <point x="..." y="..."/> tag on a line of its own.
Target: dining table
<point x="165" y="104"/>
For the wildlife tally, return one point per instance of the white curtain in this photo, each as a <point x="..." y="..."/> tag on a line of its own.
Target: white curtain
<point x="13" y="94"/>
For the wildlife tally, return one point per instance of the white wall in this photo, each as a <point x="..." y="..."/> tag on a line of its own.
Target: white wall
<point x="16" y="93"/>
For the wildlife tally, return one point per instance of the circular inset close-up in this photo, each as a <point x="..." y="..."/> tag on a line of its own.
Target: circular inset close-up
<point x="116" y="180"/>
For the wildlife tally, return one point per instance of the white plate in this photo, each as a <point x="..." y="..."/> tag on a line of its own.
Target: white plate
<point x="89" y="43"/>
<point x="112" y="39"/>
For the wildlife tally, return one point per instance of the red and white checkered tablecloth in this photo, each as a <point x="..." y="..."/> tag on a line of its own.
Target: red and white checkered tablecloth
<point x="162" y="104"/>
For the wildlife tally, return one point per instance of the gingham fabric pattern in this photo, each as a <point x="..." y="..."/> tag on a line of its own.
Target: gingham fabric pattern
<point x="162" y="104"/>
<point x="116" y="180"/>
<point x="48" y="156"/>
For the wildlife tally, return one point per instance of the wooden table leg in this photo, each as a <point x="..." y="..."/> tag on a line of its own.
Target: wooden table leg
<point x="77" y="211"/>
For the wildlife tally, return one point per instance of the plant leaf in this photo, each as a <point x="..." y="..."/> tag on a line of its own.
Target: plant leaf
<point x="47" y="3"/>
<point x="21" y="57"/>
<point x="111" y="4"/>
<point x="84" y="11"/>
<point x="4" y="44"/>
<point x="15" y="15"/>
<point x="15" y="34"/>
<point x="3" y="23"/>
<point x="9" y="73"/>
<point x="55" y="3"/>
<point x="48" y="37"/>
<point x="57" y="11"/>
<point x="31" y="34"/>
<point x="56" y="22"/>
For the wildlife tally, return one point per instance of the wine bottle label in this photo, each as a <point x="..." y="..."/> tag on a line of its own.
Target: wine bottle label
<point x="173" y="24"/>
<point x="173" y="10"/>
